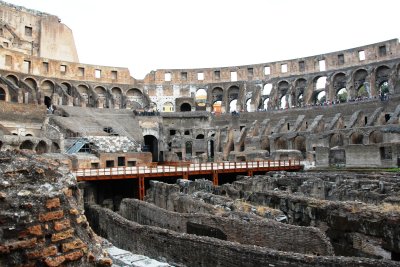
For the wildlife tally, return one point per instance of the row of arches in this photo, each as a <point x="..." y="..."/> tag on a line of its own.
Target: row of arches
<point x="339" y="87"/>
<point x="49" y="92"/>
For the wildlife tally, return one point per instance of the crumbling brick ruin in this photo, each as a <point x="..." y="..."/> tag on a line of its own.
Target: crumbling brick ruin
<point x="60" y="118"/>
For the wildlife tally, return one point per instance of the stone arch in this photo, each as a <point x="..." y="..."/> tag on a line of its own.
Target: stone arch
<point x="360" y="78"/>
<point x="117" y="97"/>
<point x="67" y="87"/>
<point x="55" y="148"/>
<point x="47" y="92"/>
<point x="233" y="94"/>
<point x="382" y="75"/>
<point x="339" y="84"/>
<point x="356" y="138"/>
<point x="31" y="82"/>
<point x="217" y="94"/>
<point x="185" y="107"/>
<point x="134" y="98"/>
<point x="375" y="137"/>
<point x="336" y="140"/>
<point x="283" y="94"/>
<point x="281" y="143"/>
<point x="41" y="147"/>
<point x="84" y="93"/>
<point x="201" y="99"/>
<point x="101" y="96"/>
<point x="13" y="79"/>
<point x="168" y="107"/>
<point x="300" y="87"/>
<point x="27" y="144"/>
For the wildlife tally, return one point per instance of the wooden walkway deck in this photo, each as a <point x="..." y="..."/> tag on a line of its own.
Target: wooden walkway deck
<point x="210" y="168"/>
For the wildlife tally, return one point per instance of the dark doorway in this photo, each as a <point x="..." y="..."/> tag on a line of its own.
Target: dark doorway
<point x="109" y="163"/>
<point x="186" y="107"/>
<point x="47" y="101"/>
<point x="151" y="145"/>
<point x="121" y="161"/>
<point x="211" y="149"/>
<point x="2" y="94"/>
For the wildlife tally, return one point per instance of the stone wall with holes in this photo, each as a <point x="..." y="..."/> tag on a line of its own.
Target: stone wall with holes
<point x="41" y="211"/>
<point x="264" y="233"/>
<point x="113" y="144"/>
<point x="190" y="250"/>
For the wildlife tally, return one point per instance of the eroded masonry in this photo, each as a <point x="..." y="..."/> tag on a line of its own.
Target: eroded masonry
<point x="196" y="167"/>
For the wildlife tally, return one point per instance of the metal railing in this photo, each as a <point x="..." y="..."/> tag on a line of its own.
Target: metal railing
<point x="210" y="166"/>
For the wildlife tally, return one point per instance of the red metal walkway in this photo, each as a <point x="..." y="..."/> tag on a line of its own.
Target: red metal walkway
<point x="211" y="168"/>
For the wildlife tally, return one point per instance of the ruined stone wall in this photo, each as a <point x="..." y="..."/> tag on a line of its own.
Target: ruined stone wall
<point x="42" y="217"/>
<point x="263" y="233"/>
<point x="189" y="250"/>
<point x="343" y="222"/>
<point x="36" y="33"/>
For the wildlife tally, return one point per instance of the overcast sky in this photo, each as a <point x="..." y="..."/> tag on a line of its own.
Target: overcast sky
<point x="155" y="34"/>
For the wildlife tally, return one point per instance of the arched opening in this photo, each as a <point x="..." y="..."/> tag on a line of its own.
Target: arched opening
<point x="356" y="138"/>
<point x="27" y="144"/>
<point x="1" y="144"/>
<point x="13" y="79"/>
<point x="55" y="148"/>
<point x="320" y="98"/>
<point x="47" y="101"/>
<point x="151" y="145"/>
<point x="31" y="83"/>
<point x="188" y="149"/>
<point x="28" y="135"/>
<point x="84" y="93"/>
<point x="201" y="98"/>
<point x="283" y="102"/>
<point x="47" y="89"/>
<point x="320" y="83"/>
<point x="248" y="107"/>
<point x="360" y="77"/>
<point x="200" y="136"/>
<point x="168" y="107"/>
<point x="375" y="137"/>
<point x="217" y="106"/>
<point x="300" y="87"/>
<point x="117" y="97"/>
<point x="281" y="143"/>
<point x="185" y="107"/>
<point x="217" y="94"/>
<point x="342" y="95"/>
<point x="382" y="75"/>
<point x="101" y="97"/>
<point x="67" y="87"/>
<point x="2" y="95"/>
<point x="299" y="143"/>
<point x="134" y="97"/>
<point x="266" y="103"/>
<point x="233" y="106"/>
<point x="267" y="89"/>
<point x="284" y="97"/>
<point x="336" y="140"/>
<point x="41" y="147"/>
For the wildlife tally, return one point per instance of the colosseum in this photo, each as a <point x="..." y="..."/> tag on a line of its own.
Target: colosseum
<point x="287" y="163"/>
